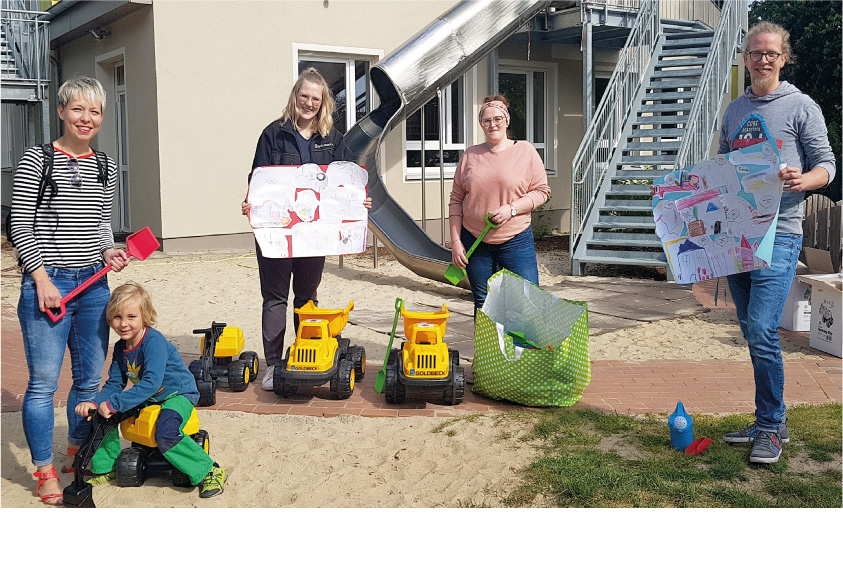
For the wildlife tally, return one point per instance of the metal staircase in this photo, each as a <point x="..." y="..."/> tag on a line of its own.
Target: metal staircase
<point x="612" y="221"/>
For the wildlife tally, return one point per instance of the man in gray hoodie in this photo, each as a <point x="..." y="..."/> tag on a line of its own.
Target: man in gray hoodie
<point x="771" y="109"/>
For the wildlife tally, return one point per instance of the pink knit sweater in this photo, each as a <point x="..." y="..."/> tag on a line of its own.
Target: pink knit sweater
<point x="484" y="180"/>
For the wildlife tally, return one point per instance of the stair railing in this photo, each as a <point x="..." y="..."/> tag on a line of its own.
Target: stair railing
<point x="28" y="42"/>
<point x="602" y="137"/>
<point x="705" y="110"/>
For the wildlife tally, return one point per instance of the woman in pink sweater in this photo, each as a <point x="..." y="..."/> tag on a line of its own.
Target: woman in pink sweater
<point x="505" y="178"/>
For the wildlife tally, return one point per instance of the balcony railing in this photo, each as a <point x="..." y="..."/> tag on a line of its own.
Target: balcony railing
<point x="604" y="132"/>
<point x="705" y="111"/>
<point x="28" y="43"/>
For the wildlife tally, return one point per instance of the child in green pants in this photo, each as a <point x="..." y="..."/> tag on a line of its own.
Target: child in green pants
<point x="159" y="376"/>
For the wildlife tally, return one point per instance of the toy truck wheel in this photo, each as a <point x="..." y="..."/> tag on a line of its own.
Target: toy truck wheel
<point x="195" y="368"/>
<point x="395" y="390"/>
<point x="358" y="359"/>
<point x="130" y="463"/>
<point x="342" y="385"/>
<point x="279" y="385"/>
<point x="251" y="359"/>
<point x="238" y="376"/>
<point x="455" y="392"/>
<point x="207" y="393"/>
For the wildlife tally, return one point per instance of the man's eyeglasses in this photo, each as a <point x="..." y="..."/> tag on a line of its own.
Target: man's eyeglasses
<point x="756" y="56"/>
<point x="488" y="122"/>
<point x="76" y="177"/>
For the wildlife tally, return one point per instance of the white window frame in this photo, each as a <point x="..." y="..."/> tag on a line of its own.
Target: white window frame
<point x="432" y="172"/>
<point x="551" y="115"/>
<point x="342" y="55"/>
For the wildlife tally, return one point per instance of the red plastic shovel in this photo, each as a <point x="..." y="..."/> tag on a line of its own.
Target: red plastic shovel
<point x="140" y="245"/>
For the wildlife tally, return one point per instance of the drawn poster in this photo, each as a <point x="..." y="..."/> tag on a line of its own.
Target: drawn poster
<point x="718" y="217"/>
<point x="309" y="210"/>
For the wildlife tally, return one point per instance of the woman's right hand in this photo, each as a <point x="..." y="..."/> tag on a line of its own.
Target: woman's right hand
<point x="244" y="207"/>
<point x="48" y="294"/>
<point x="458" y="253"/>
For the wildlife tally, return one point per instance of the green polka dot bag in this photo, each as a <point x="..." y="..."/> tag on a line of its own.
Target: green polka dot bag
<point x="556" y="373"/>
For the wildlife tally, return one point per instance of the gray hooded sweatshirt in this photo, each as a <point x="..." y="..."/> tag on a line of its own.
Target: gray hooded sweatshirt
<point x="790" y="116"/>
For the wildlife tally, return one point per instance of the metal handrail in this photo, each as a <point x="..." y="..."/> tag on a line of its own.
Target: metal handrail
<point x="603" y="135"/>
<point x="705" y="110"/>
<point x="29" y="43"/>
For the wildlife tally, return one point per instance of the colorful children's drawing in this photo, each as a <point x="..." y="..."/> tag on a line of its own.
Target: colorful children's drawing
<point x="713" y="221"/>
<point x="309" y="210"/>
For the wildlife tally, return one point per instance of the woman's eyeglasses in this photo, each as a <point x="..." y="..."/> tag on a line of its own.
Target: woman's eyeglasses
<point x="76" y="177"/>
<point x="756" y="56"/>
<point x="488" y="122"/>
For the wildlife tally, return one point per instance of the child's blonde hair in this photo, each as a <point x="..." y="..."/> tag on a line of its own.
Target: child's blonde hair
<point x="129" y="293"/>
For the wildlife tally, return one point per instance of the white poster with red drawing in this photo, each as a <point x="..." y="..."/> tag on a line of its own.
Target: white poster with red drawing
<point x="309" y="210"/>
<point x="718" y="217"/>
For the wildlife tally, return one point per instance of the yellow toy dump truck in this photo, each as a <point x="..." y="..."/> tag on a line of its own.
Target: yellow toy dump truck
<point x="223" y="362"/>
<point x="424" y="361"/>
<point x="142" y="459"/>
<point x="320" y="354"/>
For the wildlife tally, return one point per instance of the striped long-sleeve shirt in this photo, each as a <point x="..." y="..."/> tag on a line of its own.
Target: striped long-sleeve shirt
<point x="72" y="229"/>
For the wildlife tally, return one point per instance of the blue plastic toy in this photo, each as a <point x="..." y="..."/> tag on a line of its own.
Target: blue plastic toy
<point x="681" y="428"/>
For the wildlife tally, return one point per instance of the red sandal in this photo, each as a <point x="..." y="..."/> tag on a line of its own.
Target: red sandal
<point x="43" y="477"/>
<point x="71" y="454"/>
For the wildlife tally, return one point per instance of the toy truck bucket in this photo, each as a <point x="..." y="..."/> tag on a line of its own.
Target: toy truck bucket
<point x="336" y="318"/>
<point x="230" y="343"/>
<point x="424" y="327"/>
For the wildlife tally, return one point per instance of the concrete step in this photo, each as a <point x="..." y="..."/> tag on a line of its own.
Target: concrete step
<point x="647" y="160"/>
<point x="661" y="120"/>
<point x="663" y="146"/>
<point x="681" y="73"/>
<point x="627" y="205"/>
<point x="657" y="133"/>
<point x="661" y="96"/>
<point x="701" y="51"/>
<point x="661" y="107"/>
<point x="624" y="239"/>
<point x="627" y="189"/>
<point x="688" y="61"/>
<point x="651" y="259"/>
<point x="638" y="174"/>
<point x="665" y="84"/>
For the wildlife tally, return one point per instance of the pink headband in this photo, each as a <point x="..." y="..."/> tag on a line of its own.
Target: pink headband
<point x="496" y="104"/>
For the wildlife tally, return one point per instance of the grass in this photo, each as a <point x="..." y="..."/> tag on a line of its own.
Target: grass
<point x="589" y="459"/>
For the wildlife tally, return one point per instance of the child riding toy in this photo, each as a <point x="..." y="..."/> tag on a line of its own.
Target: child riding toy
<point x="218" y="366"/>
<point x="320" y="354"/>
<point x="424" y="361"/>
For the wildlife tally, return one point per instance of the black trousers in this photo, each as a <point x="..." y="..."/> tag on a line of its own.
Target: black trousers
<point x="275" y="276"/>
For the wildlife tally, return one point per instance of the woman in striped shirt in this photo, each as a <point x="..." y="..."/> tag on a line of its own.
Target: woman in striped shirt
<point x="62" y="242"/>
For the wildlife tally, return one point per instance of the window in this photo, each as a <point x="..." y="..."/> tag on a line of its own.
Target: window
<point x="530" y="94"/>
<point x="348" y="77"/>
<point x="453" y="100"/>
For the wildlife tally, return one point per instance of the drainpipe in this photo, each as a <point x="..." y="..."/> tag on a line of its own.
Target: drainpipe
<point x="587" y="69"/>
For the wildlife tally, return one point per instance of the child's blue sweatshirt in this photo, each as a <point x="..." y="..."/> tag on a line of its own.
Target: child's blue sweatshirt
<point x="156" y="370"/>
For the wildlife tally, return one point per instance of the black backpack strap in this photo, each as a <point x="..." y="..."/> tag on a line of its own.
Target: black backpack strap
<point x="46" y="174"/>
<point x="102" y="167"/>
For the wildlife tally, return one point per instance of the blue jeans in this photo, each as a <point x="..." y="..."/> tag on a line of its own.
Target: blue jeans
<point x="84" y="331"/>
<point x="759" y="298"/>
<point x="518" y="255"/>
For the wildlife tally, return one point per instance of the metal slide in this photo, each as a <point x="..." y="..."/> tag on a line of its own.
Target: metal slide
<point x="405" y="80"/>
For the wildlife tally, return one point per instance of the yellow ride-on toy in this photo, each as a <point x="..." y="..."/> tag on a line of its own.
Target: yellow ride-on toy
<point x="223" y="362"/>
<point x="424" y="361"/>
<point x="142" y="458"/>
<point x="320" y="355"/>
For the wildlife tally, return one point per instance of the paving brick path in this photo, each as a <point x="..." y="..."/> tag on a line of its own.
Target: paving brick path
<point x="714" y="386"/>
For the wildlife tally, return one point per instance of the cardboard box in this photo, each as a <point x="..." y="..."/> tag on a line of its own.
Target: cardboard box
<point x="797" y="309"/>
<point x="826" y="312"/>
<point x="826" y="302"/>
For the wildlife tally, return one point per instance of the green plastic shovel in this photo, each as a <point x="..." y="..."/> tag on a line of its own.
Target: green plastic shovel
<point x="380" y="379"/>
<point x="455" y="274"/>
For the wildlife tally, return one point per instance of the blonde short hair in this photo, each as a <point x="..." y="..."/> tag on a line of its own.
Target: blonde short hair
<point x="325" y="117"/>
<point x="131" y="293"/>
<point x="769" y="27"/>
<point x="82" y="87"/>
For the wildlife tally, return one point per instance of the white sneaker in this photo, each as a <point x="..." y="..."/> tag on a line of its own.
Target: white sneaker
<point x="266" y="384"/>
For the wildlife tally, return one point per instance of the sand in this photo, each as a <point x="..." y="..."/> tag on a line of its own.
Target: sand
<point x="346" y="461"/>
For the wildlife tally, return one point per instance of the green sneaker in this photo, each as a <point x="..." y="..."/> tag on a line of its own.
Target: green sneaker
<point x="97" y="479"/>
<point x="212" y="484"/>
